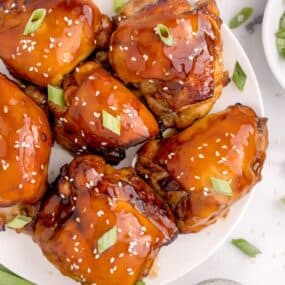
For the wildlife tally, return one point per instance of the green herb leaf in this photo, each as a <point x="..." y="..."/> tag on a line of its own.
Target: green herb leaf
<point x="56" y="95"/>
<point x="118" y="5"/>
<point x="10" y="278"/>
<point x="140" y="283"/>
<point x="246" y="247"/>
<point x="239" y="77"/>
<point x="240" y="18"/>
<point x="281" y="34"/>
<point x="222" y="186"/>
<point x="282" y="22"/>
<point x="19" y="222"/>
<point x="107" y="240"/>
<point x="111" y="123"/>
<point x="164" y="33"/>
<point x="35" y="21"/>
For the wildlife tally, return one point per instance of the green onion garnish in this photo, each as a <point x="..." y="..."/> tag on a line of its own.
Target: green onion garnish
<point x="280" y="37"/>
<point x="222" y="186"/>
<point x="239" y="77"/>
<point x="282" y="22"/>
<point x="35" y="21"/>
<point x="19" y="222"/>
<point x="107" y="240"/>
<point x="280" y="34"/>
<point x="10" y="278"/>
<point x="140" y="283"/>
<point x="164" y="33"/>
<point x="56" y="95"/>
<point x="111" y="123"/>
<point x="246" y="247"/>
<point x="118" y="5"/>
<point x="241" y="17"/>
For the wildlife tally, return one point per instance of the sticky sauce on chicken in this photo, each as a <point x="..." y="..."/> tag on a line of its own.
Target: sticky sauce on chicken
<point x="69" y="32"/>
<point x="25" y="143"/>
<point x="90" y="93"/>
<point x="88" y="200"/>
<point x="230" y="146"/>
<point x="180" y="81"/>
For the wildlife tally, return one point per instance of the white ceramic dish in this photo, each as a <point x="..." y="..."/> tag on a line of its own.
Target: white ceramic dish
<point x="273" y="12"/>
<point x="19" y="253"/>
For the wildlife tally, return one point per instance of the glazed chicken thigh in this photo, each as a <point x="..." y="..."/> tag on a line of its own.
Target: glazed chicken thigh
<point x="101" y="115"/>
<point x="102" y="226"/>
<point x="172" y="53"/>
<point x="202" y="171"/>
<point x="69" y="32"/>
<point x="25" y="143"/>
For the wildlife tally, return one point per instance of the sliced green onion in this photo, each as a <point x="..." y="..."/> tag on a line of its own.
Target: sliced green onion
<point x="222" y="186"/>
<point x="56" y="95"/>
<point x="140" y="283"/>
<point x="118" y="5"/>
<point x="10" y="278"/>
<point x="19" y="222"/>
<point x="241" y="17"/>
<point x="246" y="247"/>
<point x="239" y="77"/>
<point x="280" y="43"/>
<point x="35" y="21"/>
<point x="280" y="34"/>
<point x="164" y="33"/>
<point x="111" y="123"/>
<point x="282" y="22"/>
<point x="7" y="270"/>
<point x="107" y="240"/>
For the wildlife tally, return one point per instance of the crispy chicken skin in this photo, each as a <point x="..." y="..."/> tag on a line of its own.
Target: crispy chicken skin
<point x="180" y="82"/>
<point x="71" y="30"/>
<point x="88" y="199"/>
<point x="79" y="126"/>
<point x="25" y="143"/>
<point x="229" y="145"/>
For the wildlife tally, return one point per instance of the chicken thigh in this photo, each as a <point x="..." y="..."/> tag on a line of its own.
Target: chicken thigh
<point x="173" y="53"/>
<point x="101" y="115"/>
<point x="25" y="144"/>
<point x="66" y="32"/>
<point x="202" y="171"/>
<point x="102" y="226"/>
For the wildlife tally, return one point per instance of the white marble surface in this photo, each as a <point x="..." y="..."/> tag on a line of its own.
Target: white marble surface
<point x="264" y="221"/>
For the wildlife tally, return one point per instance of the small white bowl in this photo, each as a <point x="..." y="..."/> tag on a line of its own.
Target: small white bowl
<point x="272" y="15"/>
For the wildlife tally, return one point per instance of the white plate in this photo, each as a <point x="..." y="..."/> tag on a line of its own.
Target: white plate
<point x="272" y="15"/>
<point x="19" y="253"/>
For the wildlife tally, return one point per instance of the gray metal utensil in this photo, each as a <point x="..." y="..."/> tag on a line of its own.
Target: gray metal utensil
<point x="219" y="282"/>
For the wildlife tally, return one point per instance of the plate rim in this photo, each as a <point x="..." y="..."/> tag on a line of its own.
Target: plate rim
<point x="268" y="53"/>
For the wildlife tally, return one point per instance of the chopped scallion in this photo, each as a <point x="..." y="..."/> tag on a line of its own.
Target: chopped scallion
<point x="222" y="186"/>
<point x="246" y="247"/>
<point x="241" y="17"/>
<point x="118" y="5"/>
<point x="164" y="33"/>
<point x="19" y="222"/>
<point x="9" y="277"/>
<point x="111" y="123"/>
<point x="35" y="21"/>
<point x="239" y="77"/>
<point x="107" y="240"/>
<point x="56" y="95"/>
<point x="282" y="22"/>
<point x="140" y="283"/>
